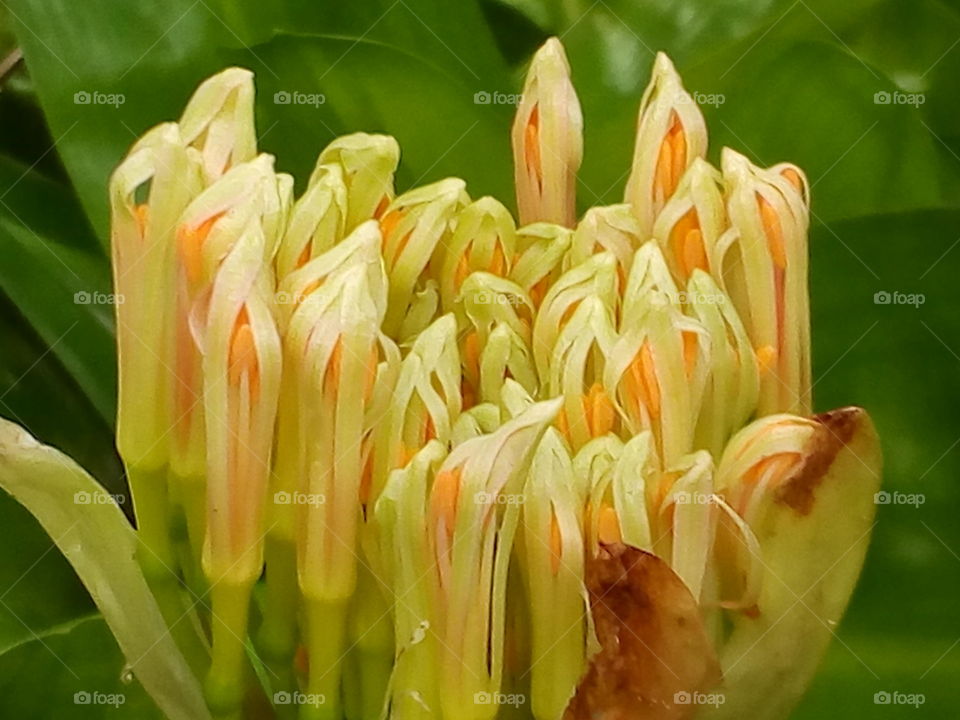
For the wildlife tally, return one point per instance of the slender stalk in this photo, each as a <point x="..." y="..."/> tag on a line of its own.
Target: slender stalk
<point x="326" y="638"/>
<point x="158" y="558"/>
<point x="278" y="635"/>
<point x="226" y="682"/>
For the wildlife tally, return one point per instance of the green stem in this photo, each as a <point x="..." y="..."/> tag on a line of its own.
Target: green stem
<point x="277" y="638"/>
<point x="326" y="639"/>
<point x="157" y="557"/>
<point x="226" y="682"/>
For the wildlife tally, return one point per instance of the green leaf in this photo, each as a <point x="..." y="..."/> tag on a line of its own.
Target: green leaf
<point x="96" y="538"/>
<point x="75" y="667"/>
<point x="52" y="269"/>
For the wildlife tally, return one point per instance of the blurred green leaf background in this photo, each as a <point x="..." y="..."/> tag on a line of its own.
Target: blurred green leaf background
<point x="864" y="95"/>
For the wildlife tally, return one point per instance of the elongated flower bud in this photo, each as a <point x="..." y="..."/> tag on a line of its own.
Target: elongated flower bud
<point x="670" y="134"/>
<point x="506" y="357"/>
<point x="317" y="221"/>
<point x="650" y="286"/>
<point x="206" y="233"/>
<point x="541" y="248"/>
<point x="596" y="277"/>
<point x="730" y="392"/>
<point x="489" y="301"/>
<point x="692" y="221"/>
<point x="400" y="510"/>
<point x="548" y="140"/>
<point x="576" y="372"/>
<point x="241" y="385"/>
<point x="241" y="367"/>
<point x="800" y="484"/>
<point x="612" y="229"/>
<point x="552" y="560"/>
<point x="425" y="402"/>
<point x="337" y="327"/>
<point x="686" y="518"/>
<point x="769" y="211"/>
<point x="413" y="226"/>
<point x="484" y="240"/>
<point x="473" y="515"/>
<point x="593" y="466"/>
<point x="656" y="372"/>
<point x="142" y="248"/>
<point x="368" y="163"/>
<point x="219" y="122"/>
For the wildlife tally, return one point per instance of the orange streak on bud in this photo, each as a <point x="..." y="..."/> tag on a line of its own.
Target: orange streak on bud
<point x="141" y="213"/>
<point x="531" y="148"/>
<point x="778" y="467"/>
<point x="468" y="394"/>
<point x="498" y="263"/>
<point x="389" y="222"/>
<point x="539" y="290"/>
<point x="429" y="431"/>
<point x="608" y="527"/>
<point x="301" y="661"/>
<point x="444" y="497"/>
<point x="401" y="246"/>
<point x="686" y="241"/>
<point x="568" y="313"/>
<point x="366" y="480"/>
<point x="190" y="241"/>
<point x="598" y="410"/>
<point x="793" y="177"/>
<point x="331" y="377"/>
<point x="563" y="425"/>
<point x="243" y="354"/>
<point x="556" y="544"/>
<point x="690" y="345"/>
<point x="471" y="355"/>
<point x="463" y="269"/>
<point x="641" y="382"/>
<point x="766" y="358"/>
<point x="774" y="232"/>
<point x="381" y="207"/>
<point x="678" y="150"/>
<point x="304" y="255"/>
<point x="671" y="161"/>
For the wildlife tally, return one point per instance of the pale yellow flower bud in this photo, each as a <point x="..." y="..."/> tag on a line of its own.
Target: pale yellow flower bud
<point x="548" y="140"/>
<point x="670" y="134"/>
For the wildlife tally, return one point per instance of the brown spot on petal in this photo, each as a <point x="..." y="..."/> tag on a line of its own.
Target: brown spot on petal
<point x="653" y="643"/>
<point x="837" y="428"/>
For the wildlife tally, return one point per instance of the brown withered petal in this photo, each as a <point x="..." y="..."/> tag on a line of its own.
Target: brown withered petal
<point x="654" y="646"/>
